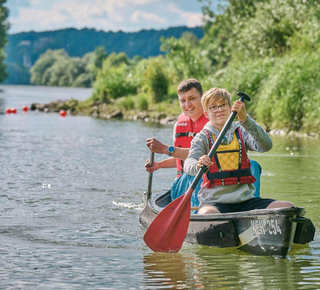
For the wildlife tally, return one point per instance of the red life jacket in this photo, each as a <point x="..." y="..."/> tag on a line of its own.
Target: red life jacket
<point x="231" y="163"/>
<point x="186" y="129"/>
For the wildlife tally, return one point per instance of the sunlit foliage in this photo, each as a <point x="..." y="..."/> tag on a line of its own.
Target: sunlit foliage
<point x="56" y="68"/>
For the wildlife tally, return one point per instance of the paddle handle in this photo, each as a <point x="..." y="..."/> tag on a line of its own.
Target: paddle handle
<point x="150" y="177"/>
<point x="243" y="96"/>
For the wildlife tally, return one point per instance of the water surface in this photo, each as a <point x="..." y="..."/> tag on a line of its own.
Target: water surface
<point x="71" y="193"/>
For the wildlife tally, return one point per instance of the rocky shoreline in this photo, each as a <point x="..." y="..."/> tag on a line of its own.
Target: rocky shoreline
<point x="103" y="111"/>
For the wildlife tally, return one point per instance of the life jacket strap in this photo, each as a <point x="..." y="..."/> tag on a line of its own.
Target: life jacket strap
<point x="185" y="134"/>
<point x="226" y="174"/>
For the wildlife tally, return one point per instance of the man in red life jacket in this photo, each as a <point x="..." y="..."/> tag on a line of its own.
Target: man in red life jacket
<point x="228" y="184"/>
<point x="189" y="123"/>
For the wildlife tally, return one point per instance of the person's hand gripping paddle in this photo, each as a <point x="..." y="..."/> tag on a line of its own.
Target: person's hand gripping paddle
<point x="167" y="231"/>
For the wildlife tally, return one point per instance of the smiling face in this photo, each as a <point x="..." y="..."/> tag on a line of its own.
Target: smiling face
<point x="190" y="104"/>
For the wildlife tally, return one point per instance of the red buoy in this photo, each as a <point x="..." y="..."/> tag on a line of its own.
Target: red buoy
<point x="8" y="111"/>
<point x="63" y="113"/>
<point x="13" y="110"/>
<point x="25" y="108"/>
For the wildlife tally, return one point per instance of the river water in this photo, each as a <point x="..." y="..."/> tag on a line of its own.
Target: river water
<point x="71" y="193"/>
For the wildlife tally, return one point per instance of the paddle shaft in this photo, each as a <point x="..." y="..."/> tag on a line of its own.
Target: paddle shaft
<point x="150" y="176"/>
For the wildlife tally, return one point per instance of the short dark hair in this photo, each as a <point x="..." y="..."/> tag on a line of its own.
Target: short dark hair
<point x="188" y="84"/>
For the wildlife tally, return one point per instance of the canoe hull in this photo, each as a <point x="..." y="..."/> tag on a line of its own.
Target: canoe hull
<point x="260" y="232"/>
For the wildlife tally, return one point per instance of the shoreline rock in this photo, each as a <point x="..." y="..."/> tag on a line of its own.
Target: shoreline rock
<point x="285" y="133"/>
<point x="100" y="110"/>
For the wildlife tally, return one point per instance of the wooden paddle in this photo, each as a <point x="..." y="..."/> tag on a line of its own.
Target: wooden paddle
<point x="167" y="231"/>
<point x="150" y="176"/>
<point x="147" y="194"/>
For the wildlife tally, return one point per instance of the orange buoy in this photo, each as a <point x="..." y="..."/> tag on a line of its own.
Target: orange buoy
<point x="63" y="113"/>
<point x="8" y="111"/>
<point x="25" y="108"/>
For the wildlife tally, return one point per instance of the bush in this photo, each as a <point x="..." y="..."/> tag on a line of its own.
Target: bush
<point x="143" y="103"/>
<point x="156" y="78"/>
<point x="284" y="90"/>
<point x="246" y="76"/>
<point x="126" y="103"/>
<point x="84" y="80"/>
<point x="290" y="97"/>
<point x="114" y="82"/>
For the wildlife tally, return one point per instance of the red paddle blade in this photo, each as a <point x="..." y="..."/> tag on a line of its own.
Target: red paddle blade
<point x="168" y="230"/>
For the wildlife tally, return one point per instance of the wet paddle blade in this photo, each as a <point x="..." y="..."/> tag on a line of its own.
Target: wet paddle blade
<point x="168" y="230"/>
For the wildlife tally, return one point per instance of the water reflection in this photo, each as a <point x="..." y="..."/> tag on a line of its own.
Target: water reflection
<point x="180" y="271"/>
<point x="199" y="267"/>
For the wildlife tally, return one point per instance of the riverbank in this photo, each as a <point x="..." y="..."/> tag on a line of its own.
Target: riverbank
<point x="111" y="111"/>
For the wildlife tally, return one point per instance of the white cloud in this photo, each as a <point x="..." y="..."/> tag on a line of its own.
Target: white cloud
<point x="141" y="2"/>
<point x="192" y="19"/>
<point x="140" y="16"/>
<point x="38" y="19"/>
<point x="80" y="12"/>
<point x="100" y="14"/>
<point x="108" y="15"/>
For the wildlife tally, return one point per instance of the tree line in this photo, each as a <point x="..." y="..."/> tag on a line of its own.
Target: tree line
<point x="23" y="49"/>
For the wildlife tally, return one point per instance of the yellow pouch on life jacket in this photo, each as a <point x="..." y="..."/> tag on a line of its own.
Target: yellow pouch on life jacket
<point x="228" y="155"/>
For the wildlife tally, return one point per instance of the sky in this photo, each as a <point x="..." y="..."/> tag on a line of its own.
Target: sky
<point x="107" y="15"/>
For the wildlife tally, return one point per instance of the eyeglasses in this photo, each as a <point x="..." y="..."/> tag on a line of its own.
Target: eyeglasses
<point x="214" y="109"/>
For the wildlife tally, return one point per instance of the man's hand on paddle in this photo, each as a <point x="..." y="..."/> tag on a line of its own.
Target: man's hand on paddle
<point x="149" y="168"/>
<point x="156" y="146"/>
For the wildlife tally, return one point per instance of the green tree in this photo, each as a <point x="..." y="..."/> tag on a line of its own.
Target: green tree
<point x="116" y="59"/>
<point x="114" y="82"/>
<point x="156" y="79"/>
<point x="100" y="54"/>
<point x="290" y="94"/>
<point x="115" y="79"/>
<point x="56" y="68"/>
<point x="139" y="73"/>
<point x="42" y="70"/>
<point x="3" y="39"/>
<point x="86" y="78"/>
<point x="268" y="48"/>
<point x="183" y="57"/>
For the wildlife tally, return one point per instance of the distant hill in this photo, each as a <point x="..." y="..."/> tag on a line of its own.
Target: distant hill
<point x="23" y="49"/>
